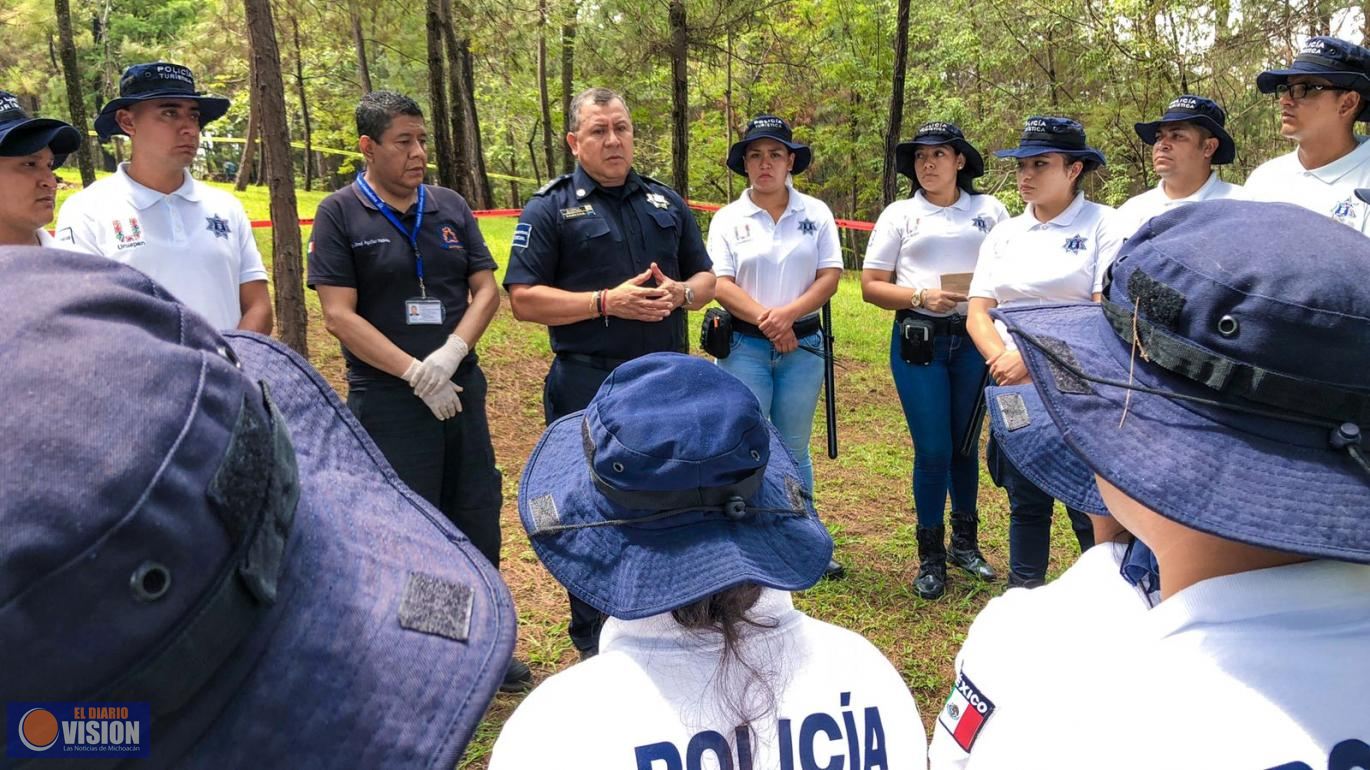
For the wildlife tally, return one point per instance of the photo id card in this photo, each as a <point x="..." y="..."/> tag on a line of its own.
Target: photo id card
<point x="421" y="310"/>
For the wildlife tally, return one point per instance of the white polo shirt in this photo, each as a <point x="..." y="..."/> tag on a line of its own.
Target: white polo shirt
<point x="197" y="242"/>
<point x="650" y="700"/>
<point x="1023" y="643"/>
<point x="921" y="241"/>
<point x="1027" y="262"/>
<point x="1139" y="208"/>
<point x="774" y="262"/>
<point x="1261" y="669"/>
<point x="1329" y="190"/>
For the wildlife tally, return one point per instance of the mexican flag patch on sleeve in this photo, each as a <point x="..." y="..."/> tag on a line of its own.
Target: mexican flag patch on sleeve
<point x="965" y="712"/>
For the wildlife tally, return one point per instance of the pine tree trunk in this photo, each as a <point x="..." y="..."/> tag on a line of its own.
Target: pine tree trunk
<point x="249" y="156"/>
<point x="896" y="117"/>
<point x="543" y="98"/>
<point x="440" y="121"/>
<point x="359" y="42"/>
<point x="76" y="105"/>
<point x="568" y="59"/>
<point x="304" y="109"/>
<point x="680" y="140"/>
<point x="287" y="261"/>
<point x="465" y="122"/>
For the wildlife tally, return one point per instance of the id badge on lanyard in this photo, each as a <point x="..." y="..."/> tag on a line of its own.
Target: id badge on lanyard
<point x="420" y="310"/>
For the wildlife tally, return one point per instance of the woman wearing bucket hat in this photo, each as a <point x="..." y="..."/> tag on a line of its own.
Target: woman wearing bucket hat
<point x="1219" y="398"/>
<point x="690" y="540"/>
<point x="1057" y="250"/>
<point x="918" y="263"/>
<point x="30" y="149"/>
<point x="778" y="259"/>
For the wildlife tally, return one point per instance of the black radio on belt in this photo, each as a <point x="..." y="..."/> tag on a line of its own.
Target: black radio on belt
<point x="917" y="333"/>
<point x="716" y="333"/>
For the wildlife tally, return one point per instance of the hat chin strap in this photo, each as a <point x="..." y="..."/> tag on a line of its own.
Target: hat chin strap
<point x="255" y="492"/>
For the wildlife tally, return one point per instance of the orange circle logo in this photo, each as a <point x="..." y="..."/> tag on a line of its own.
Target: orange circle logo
<point x="38" y="729"/>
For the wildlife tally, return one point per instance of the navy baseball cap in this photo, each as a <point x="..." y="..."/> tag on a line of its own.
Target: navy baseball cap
<point x="1044" y="134"/>
<point x="157" y="80"/>
<point x="637" y="516"/>
<point x="1200" y="111"/>
<point x="21" y="134"/>
<point x="196" y="522"/>
<point x="931" y="135"/>
<point x="1224" y="381"/>
<point x="768" y="127"/>
<point x="1336" y="61"/>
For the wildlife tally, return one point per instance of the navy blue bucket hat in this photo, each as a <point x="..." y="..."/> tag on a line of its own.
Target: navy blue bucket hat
<point x="1200" y="111"/>
<point x="1240" y="409"/>
<point x="1338" y="62"/>
<point x="934" y="134"/>
<point x="638" y="516"/>
<point x="157" y="80"/>
<point x="1044" y="134"/>
<point x="21" y="134"/>
<point x="196" y="522"/>
<point x="768" y="127"/>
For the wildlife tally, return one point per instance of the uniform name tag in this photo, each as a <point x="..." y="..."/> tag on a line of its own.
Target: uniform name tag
<point x="423" y="311"/>
<point x="577" y="211"/>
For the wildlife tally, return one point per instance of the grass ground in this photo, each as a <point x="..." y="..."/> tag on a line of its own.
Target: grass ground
<point x="863" y="496"/>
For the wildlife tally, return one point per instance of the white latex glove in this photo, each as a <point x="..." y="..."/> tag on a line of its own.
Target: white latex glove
<point x="444" y="404"/>
<point x="437" y="369"/>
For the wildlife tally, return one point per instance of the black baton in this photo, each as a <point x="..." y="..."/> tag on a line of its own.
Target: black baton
<point x="829" y="381"/>
<point x="977" y="418"/>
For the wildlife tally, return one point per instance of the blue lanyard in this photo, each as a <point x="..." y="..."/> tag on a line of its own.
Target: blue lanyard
<point x="412" y="237"/>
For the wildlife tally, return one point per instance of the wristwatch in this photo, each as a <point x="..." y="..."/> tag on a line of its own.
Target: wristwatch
<point x="689" y="294"/>
<point x="916" y="301"/>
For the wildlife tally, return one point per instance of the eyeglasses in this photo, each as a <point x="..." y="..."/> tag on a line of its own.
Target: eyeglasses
<point x="1298" y="91"/>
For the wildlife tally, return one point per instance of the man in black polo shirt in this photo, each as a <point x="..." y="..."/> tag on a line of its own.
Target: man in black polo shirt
<point x="393" y="261"/>
<point x="608" y="260"/>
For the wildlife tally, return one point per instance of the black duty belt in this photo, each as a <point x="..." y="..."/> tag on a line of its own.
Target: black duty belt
<point x="952" y="324"/>
<point x="802" y="327"/>
<point x="601" y="363"/>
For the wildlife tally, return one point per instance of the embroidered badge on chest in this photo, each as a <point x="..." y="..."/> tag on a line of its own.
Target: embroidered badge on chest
<point x="743" y="232"/>
<point x="1075" y="244"/>
<point x="1344" y="211"/>
<point x="128" y="233"/>
<point x="981" y="223"/>
<point x="449" y="238"/>
<point x="218" y="225"/>
<point x="808" y="227"/>
<point x="965" y="712"/>
<point x="658" y="200"/>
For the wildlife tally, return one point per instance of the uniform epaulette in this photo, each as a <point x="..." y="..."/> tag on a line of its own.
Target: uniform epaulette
<point x="547" y="187"/>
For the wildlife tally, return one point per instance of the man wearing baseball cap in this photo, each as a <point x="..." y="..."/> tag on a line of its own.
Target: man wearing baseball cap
<point x="1321" y="96"/>
<point x="30" y="148"/>
<point x="1186" y="143"/>
<point x="1219" y="397"/>
<point x="231" y="557"/>
<point x="193" y="239"/>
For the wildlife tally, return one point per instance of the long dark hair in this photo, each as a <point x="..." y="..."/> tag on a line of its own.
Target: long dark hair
<point x="724" y="615"/>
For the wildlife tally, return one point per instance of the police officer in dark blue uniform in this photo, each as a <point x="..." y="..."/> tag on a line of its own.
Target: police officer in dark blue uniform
<point x="609" y="260"/>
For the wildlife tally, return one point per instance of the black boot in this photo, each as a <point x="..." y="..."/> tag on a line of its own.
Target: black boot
<point x="932" y="562"/>
<point x="1018" y="581"/>
<point x="965" y="545"/>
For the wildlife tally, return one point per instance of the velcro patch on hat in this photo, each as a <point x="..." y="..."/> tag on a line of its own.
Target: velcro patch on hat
<point x="545" y="514"/>
<point x="1160" y="303"/>
<point x="1013" y="410"/>
<point x="797" y="494"/>
<point x="965" y="713"/>
<point x="1066" y="381"/>
<point x="435" y="606"/>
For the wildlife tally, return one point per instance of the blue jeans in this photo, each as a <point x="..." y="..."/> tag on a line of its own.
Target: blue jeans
<point x="787" y="387"/>
<point x="1029" y="525"/>
<point x="938" y="399"/>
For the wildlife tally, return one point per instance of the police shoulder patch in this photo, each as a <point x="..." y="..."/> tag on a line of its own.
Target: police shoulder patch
<point x="551" y="185"/>
<point x="965" y="713"/>
<point x="522" y="232"/>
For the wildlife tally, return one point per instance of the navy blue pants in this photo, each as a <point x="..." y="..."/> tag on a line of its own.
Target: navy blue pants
<point x="1029" y="528"/>
<point x="568" y="388"/>
<point x="450" y="463"/>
